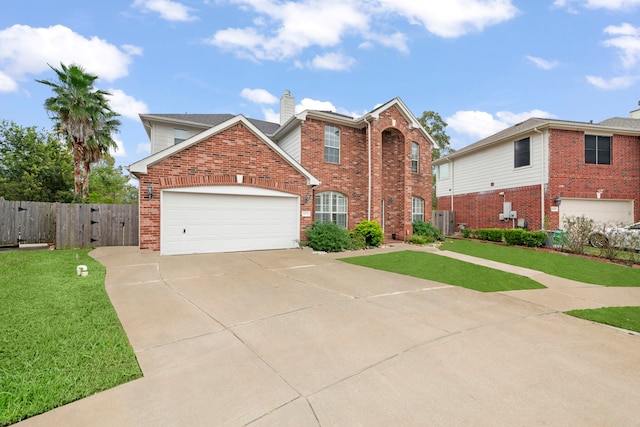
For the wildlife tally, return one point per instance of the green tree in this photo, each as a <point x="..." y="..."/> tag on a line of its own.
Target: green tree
<point x="110" y="184"/>
<point x="435" y="126"/>
<point x="81" y="113"/>
<point x="98" y="146"/>
<point x="34" y="165"/>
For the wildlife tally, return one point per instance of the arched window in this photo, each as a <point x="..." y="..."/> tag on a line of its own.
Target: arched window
<point x="331" y="207"/>
<point x="417" y="209"/>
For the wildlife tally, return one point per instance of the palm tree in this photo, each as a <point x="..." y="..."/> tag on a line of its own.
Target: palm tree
<point x="97" y="146"/>
<point x="83" y="115"/>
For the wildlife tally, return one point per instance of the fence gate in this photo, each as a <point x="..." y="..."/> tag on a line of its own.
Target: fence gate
<point x="445" y="221"/>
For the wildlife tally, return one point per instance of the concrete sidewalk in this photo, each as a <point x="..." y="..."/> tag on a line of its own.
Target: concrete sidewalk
<point x="296" y="338"/>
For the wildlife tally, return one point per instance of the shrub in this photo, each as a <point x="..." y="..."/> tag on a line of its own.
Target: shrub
<point x="514" y="236"/>
<point x="426" y="229"/>
<point x="578" y="230"/>
<point x="372" y="232"/>
<point x="491" y="234"/>
<point x="358" y="241"/>
<point x="468" y="233"/>
<point x="327" y="237"/>
<point x="534" y="239"/>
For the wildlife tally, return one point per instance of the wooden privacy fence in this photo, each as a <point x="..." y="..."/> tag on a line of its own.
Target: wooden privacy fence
<point x="68" y="225"/>
<point x="445" y="221"/>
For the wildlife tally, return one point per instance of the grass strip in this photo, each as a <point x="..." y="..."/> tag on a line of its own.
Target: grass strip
<point x="621" y="317"/>
<point x="557" y="264"/>
<point x="445" y="270"/>
<point x="60" y="337"/>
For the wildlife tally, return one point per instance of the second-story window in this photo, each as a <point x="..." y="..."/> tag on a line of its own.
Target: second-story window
<point x="522" y="153"/>
<point x="597" y="149"/>
<point x="415" y="157"/>
<point x="331" y="144"/>
<point x="180" y="135"/>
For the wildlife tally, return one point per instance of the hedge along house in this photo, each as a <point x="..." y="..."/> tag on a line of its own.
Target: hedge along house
<point x="222" y="183"/>
<point x="537" y="172"/>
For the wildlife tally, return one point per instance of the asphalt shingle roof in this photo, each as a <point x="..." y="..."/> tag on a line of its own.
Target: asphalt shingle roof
<point x="211" y="120"/>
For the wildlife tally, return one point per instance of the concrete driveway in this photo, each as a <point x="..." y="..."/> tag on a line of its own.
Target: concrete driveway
<point x="293" y="338"/>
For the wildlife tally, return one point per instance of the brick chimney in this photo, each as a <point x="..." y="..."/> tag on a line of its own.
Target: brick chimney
<point x="287" y="107"/>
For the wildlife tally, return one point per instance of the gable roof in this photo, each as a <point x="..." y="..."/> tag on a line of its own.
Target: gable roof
<point x="208" y="120"/>
<point x="358" y="122"/>
<point x="618" y="125"/>
<point x="141" y="166"/>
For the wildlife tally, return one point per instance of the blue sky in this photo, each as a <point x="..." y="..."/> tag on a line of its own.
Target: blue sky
<point x="483" y="65"/>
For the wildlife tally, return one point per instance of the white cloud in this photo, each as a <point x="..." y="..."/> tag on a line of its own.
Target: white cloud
<point x="126" y="105"/>
<point x="143" y="147"/>
<point x="542" y="63"/>
<point x="332" y="61"/>
<point x="259" y="96"/>
<point x="7" y="84"/>
<point x="453" y="18"/>
<point x="627" y="40"/>
<point x="614" y="5"/>
<point x="480" y="124"/>
<point x="119" y="151"/>
<point x="285" y="28"/>
<point x="270" y="115"/>
<point x="614" y="83"/>
<point x="313" y="104"/>
<point x="26" y="51"/>
<point x="169" y="10"/>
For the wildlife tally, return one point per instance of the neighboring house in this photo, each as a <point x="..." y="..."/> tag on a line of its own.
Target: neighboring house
<point x="219" y="182"/>
<point x="539" y="171"/>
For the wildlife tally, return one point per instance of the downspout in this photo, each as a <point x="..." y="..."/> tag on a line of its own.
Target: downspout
<point x="542" y="204"/>
<point x="368" y="169"/>
<point x="452" y="181"/>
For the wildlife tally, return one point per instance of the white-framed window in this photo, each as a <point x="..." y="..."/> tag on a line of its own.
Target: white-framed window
<point x="417" y="209"/>
<point x="415" y="157"/>
<point x="443" y="171"/>
<point x="180" y="135"/>
<point x="331" y="207"/>
<point x="331" y="144"/>
<point x="522" y="153"/>
<point x="597" y="149"/>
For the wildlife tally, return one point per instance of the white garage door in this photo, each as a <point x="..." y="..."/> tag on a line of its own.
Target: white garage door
<point x="600" y="210"/>
<point x="227" y="219"/>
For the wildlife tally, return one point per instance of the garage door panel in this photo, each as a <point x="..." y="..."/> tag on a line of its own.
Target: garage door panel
<point x="204" y="223"/>
<point x="603" y="211"/>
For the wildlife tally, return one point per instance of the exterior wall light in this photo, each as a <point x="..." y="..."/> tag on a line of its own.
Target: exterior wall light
<point x="150" y="192"/>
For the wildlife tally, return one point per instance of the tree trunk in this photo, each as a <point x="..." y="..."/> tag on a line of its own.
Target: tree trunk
<point x="77" y="168"/>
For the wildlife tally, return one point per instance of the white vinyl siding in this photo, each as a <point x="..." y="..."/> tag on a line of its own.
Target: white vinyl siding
<point x="163" y="136"/>
<point x="290" y="143"/>
<point x="477" y="171"/>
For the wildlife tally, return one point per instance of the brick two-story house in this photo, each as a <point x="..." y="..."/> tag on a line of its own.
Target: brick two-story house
<point x="219" y="182"/>
<point x="539" y="171"/>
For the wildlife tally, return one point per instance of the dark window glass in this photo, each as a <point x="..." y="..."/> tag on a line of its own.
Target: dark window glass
<point x="597" y="150"/>
<point x="522" y="153"/>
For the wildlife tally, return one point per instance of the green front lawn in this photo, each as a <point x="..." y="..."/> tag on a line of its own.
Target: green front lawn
<point x="445" y="270"/>
<point x="557" y="264"/>
<point x="60" y="338"/>
<point x="621" y="317"/>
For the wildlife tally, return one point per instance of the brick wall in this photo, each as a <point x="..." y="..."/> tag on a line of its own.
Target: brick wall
<point x="572" y="177"/>
<point x="390" y="164"/>
<point x="216" y="161"/>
